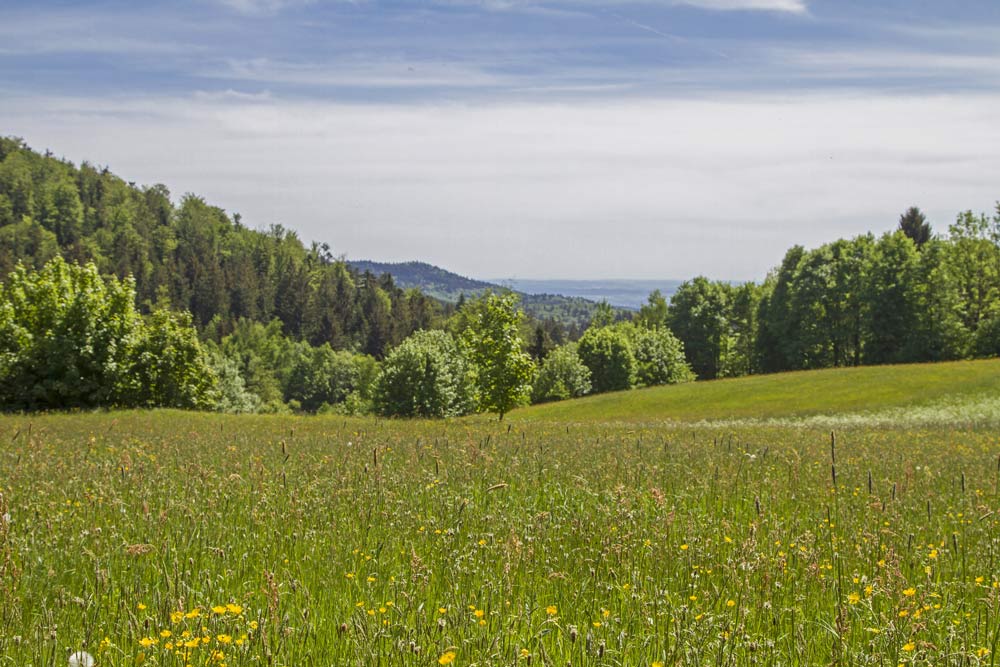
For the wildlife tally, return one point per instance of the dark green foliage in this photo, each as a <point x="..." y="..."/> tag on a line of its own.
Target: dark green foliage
<point x="607" y="353"/>
<point x="914" y="224"/>
<point x="427" y="375"/>
<point x="698" y="316"/>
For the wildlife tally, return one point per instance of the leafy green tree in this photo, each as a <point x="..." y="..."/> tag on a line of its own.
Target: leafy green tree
<point x="698" y="316"/>
<point x="777" y="324"/>
<point x="604" y="315"/>
<point x="659" y="356"/>
<point x="974" y="263"/>
<point x="70" y="338"/>
<point x="502" y="370"/>
<point x="654" y="313"/>
<point x="320" y="376"/>
<point x="427" y="375"/>
<point x="562" y="375"/>
<point x="607" y="353"/>
<point x="891" y="297"/>
<point x="66" y="337"/>
<point x="169" y="367"/>
<point x="914" y="224"/>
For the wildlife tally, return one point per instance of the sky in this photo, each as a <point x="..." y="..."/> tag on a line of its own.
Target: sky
<point x="527" y="138"/>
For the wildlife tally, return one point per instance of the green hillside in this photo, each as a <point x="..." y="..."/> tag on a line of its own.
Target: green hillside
<point x="570" y="311"/>
<point x="825" y="392"/>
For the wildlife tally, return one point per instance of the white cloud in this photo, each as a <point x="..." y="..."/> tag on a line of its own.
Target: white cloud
<point x="630" y="188"/>
<point x="793" y="6"/>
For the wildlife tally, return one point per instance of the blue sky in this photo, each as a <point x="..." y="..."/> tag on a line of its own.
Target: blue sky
<point x="571" y="138"/>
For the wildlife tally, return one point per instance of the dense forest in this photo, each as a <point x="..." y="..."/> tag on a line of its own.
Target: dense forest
<point x="208" y="313"/>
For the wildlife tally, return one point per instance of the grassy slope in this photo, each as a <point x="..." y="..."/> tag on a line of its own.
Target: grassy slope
<point x="785" y="394"/>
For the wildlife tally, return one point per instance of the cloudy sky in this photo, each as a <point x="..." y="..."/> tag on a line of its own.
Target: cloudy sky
<point x="527" y="138"/>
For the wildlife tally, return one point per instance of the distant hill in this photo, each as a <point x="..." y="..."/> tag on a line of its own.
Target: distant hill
<point x="621" y="293"/>
<point x="434" y="281"/>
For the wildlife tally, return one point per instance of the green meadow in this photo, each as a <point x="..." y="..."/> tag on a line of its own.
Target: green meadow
<point x="716" y="523"/>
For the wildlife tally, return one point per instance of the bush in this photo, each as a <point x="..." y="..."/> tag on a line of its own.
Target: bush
<point x="562" y="375"/>
<point x="72" y="339"/>
<point x="427" y="375"/>
<point x="607" y="353"/>
<point x="659" y="357"/>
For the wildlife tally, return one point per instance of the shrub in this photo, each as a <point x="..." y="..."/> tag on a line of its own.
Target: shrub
<point x="562" y="375"/>
<point x="427" y="375"/>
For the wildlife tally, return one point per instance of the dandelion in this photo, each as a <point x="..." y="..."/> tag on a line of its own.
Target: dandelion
<point x="910" y="592"/>
<point x="81" y="659"/>
<point x="853" y="598"/>
<point x="909" y="646"/>
<point x="447" y="658"/>
<point x="551" y="610"/>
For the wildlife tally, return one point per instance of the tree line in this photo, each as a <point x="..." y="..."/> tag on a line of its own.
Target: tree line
<point x="906" y="296"/>
<point x="111" y="295"/>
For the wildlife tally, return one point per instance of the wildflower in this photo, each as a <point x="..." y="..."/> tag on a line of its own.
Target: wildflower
<point x="146" y="642"/>
<point x="447" y="658"/>
<point x="909" y="646"/>
<point x="730" y="603"/>
<point x="219" y="610"/>
<point x="853" y="598"/>
<point x="551" y="610"/>
<point x="234" y="609"/>
<point x="525" y="653"/>
<point x="910" y="592"/>
<point x="141" y="607"/>
<point x="81" y="659"/>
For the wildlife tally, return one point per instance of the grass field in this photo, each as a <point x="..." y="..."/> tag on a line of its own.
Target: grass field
<point x="169" y="538"/>
<point x="867" y="389"/>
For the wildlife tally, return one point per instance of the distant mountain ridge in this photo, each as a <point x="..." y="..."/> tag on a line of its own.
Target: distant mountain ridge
<point x="574" y="311"/>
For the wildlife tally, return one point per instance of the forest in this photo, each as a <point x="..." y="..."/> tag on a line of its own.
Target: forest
<point x="205" y="312"/>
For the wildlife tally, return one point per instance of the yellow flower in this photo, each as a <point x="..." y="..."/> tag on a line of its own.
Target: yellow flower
<point x="165" y="633"/>
<point x="909" y="646"/>
<point x="146" y="642"/>
<point x="525" y="653"/>
<point x="234" y="608"/>
<point x="910" y="592"/>
<point x="854" y="598"/>
<point x="730" y="603"/>
<point x="447" y="658"/>
<point x="219" y="609"/>
<point x="551" y="610"/>
<point x="684" y="547"/>
<point x="141" y="607"/>
<point x="442" y="610"/>
<point x="479" y="613"/>
<point x="657" y="664"/>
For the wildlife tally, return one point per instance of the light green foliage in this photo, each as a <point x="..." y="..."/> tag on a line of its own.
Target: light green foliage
<point x="169" y="368"/>
<point x="231" y="394"/>
<point x="562" y="375"/>
<point x="70" y="338"/>
<point x="659" y="356"/>
<point x="501" y="368"/>
<point x="427" y="375"/>
<point x="607" y="353"/>
<point x="655" y="312"/>
<point x="67" y="338"/>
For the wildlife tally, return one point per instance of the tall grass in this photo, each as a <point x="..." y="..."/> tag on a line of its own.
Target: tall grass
<point x="323" y="541"/>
